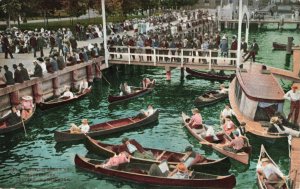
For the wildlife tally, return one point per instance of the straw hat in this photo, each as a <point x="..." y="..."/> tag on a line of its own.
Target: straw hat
<point x="181" y="167"/>
<point x="274" y="120"/>
<point x="264" y="160"/>
<point x="27" y="97"/>
<point x="195" y="110"/>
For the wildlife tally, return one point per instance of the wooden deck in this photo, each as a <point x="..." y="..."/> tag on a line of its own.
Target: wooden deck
<point x="295" y="164"/>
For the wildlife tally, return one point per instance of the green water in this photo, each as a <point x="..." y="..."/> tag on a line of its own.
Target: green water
<point x="36" y="161"/>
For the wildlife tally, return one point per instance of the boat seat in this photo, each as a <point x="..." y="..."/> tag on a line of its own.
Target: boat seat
<point x="160" y="155"/>
<point x="132" y="120"/>
<point x="110" y="125"/>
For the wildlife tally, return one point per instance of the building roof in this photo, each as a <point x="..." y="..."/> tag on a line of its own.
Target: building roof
<point x="259" y="86"/>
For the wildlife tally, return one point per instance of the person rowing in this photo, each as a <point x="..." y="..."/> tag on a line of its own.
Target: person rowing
<point x="125" y="89"/>
<point x="67" y="94"/>
<point x="147" y="83"/>
<point x="191" y="157"/>
<point x="83" y="128"/>
<point x="237" y="144"/>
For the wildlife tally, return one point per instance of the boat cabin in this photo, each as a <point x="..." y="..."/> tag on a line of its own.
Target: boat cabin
<point x="258" y="94"/>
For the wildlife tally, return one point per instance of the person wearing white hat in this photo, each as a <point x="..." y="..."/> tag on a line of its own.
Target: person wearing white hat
<point x="224" y="47"/>
<point x="84" y="127"/>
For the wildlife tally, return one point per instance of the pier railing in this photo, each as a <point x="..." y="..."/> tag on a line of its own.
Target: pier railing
<point x="175" y="56"/>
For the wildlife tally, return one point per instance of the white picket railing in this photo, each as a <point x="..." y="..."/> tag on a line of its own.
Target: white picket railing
<point x="172" y="55"/>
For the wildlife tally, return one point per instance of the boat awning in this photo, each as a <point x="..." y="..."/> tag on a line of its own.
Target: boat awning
<point x="260" y="86"/>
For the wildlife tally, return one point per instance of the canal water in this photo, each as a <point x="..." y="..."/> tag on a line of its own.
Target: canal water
<point x="36" y="161"/>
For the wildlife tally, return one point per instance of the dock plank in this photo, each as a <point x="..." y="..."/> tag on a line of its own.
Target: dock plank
<point x="295" y="163"/>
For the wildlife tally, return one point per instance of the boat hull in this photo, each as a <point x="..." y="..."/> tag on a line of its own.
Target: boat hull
<point x="206" y="75"/>
<point x="106" y="128"/>
<point x="53" y="104"/>
<point x="140" y="176"/>
<point x="115" y="99"/>
<point x="220" y="166"/>
<point x="242" y="157"/>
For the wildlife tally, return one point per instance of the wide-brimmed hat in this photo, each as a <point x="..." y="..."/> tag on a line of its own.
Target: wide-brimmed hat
<point x="224" y="37"/>
<point x="265" y="160"/>
<point x="274" y="120"/>
<point x="27" y="98"/>
<point x="15" y="66"/>
<point x="196" y="110"/>
<point x="181" y="167"/>
<point x="21" y="65"/>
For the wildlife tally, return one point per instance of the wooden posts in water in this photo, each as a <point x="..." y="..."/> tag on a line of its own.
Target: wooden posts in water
<point x="56" y="86"/>
<point x="38" y="92"/>
<point x="289" y="45"/>
<point x="168" y="73"/>
<point x="14" y="98"/>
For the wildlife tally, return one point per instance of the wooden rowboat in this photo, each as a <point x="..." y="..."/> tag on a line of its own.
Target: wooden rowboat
<point x="140" y="92"/>
<point x="106" y="128"/>
<point x="60" y="101"/>
<point x="262" y="184"/>
<point x="279" y="46"/>
<point x="138" y="172"/>
<point x="220" y="166"/>
<point x="12" y="128"/>
<point x="209" y="76"/>
<point x="242" y="157"/>
<point x="205" y="99"/>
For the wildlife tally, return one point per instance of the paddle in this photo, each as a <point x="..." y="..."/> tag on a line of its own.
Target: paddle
<point x="23" y="123"/>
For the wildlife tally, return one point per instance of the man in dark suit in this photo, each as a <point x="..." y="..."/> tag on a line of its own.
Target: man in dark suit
<point x="24" y="72"/>
<point x="33" y="44"/>
<point x="8" y="76"/>
<point x="18" y="76"/>
<point x="6" y="47"/>
<point x="38" y="71"/>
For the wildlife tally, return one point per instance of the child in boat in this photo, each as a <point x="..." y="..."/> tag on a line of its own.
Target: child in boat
<point x="115" y="161"/>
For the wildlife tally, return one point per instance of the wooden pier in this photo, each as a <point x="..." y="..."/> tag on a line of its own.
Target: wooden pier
<point x="295" y="163"/>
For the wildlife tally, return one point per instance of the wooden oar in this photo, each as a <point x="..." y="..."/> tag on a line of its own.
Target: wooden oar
<point x="23" y="123"/>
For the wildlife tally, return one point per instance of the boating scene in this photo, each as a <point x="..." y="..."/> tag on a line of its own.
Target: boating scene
<point x="150" y="94"/>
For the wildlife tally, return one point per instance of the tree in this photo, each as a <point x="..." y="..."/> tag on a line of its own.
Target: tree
<point x="12" y="9"/>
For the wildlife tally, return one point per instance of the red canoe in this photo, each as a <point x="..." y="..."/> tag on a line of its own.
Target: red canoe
<point x="138" y="172"/>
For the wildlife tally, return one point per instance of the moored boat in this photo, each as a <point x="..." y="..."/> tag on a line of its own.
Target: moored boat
<point x="210" y="98"/>
<point x="263" y="182"/>
<point x="17" y="126"/>
<point x="242" y="157"/>
<point x="279" y="46"/>
<point x="138" y="172"/>
<point x="209" y="76"/>
<point x="106" y="128"/>
<point x="56" y="102"/>
<point x="219" y="166"/>
<point x="255" y="96"/>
